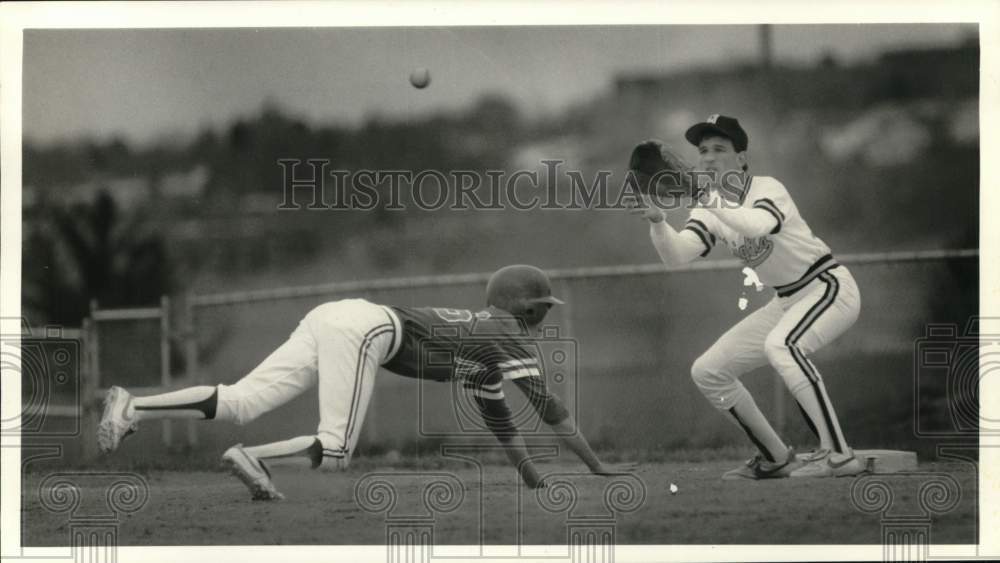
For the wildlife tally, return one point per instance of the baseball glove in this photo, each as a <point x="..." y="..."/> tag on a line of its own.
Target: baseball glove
<point x="660" y="171"/>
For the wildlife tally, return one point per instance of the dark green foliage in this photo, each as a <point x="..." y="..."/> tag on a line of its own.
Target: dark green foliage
<point x="85" y="251"/>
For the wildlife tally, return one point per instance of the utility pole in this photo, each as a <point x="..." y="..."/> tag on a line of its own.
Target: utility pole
<point x="766" y="45"/>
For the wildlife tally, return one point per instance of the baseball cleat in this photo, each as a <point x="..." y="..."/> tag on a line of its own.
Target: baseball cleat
<point x="118" y="420"/>
<point x="824" y="463"/>
<point x="812" y="455"/>
<point x="252" y="472"/>
<point x="759" y="468"/>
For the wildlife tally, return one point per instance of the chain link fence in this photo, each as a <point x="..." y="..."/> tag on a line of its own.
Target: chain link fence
<point x="636" y="330"/>
<point x="632" y="332"/>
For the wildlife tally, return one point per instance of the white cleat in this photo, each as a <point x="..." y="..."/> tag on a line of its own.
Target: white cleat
<point x="824" y="463"/>
<point x="118" y="420"/>
<point x="759" y="468"/>
<point x="252" y="472"/>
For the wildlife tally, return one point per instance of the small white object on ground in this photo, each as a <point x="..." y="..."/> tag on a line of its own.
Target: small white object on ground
<point x="673" y="489"/>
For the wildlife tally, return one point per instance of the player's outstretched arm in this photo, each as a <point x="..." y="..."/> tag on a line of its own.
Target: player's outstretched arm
<point x="570" y="435"/>
<point x="552" y="411"/>
<point x="496" y="414"/>
<point x="750" y="222"/>
<point x="517" y="453"/>
<point x="675" y="248"/>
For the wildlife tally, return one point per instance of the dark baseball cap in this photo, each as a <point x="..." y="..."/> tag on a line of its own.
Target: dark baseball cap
<point x="519" y="282"/>
<point x="728" y="127"/>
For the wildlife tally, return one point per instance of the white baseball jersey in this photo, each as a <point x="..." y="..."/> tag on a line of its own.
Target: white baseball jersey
<point x="816" y="302"/>
<point x="788" y="257"/>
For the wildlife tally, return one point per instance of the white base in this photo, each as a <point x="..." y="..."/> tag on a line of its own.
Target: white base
<point x="888" y="461"/>
<point x="884" y="461"/>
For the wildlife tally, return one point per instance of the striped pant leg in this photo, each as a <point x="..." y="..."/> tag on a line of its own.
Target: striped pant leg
<point x="286" y="373"/>
<point x="717" y="374"/>
<point x="813" y="318"/>
<point x="353" y="338"/>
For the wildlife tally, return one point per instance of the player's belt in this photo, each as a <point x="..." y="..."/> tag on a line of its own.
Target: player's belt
<point x="823" y="264"/>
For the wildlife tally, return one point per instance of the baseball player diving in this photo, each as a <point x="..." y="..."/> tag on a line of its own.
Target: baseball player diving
<point x="816" y="298"/>
<point x="339" y="346"/>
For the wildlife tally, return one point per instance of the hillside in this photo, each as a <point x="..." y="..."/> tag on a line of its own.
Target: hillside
<point x="881" y="156"/>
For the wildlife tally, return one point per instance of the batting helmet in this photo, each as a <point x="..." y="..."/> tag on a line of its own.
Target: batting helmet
<point x="519" y="289"/>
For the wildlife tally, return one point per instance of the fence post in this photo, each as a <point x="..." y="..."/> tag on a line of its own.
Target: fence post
<point x="567" y="332"/>
<point x="95" y="347"/>
<point x="190" y="361"/>
<point x="91" y="400"/>
<point x="165" y="360"/>
<point x="88" y="391"/>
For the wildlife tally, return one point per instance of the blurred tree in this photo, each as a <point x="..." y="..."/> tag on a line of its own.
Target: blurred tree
<point x="90" y="251"/>
<point x="495" y="113"/>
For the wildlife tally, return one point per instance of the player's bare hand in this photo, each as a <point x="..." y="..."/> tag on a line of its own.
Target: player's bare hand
<point x="613" y="469"/>
<point x="534" y="481"/>
<point x="645" y="209"/>
<point x="529" y="474"/>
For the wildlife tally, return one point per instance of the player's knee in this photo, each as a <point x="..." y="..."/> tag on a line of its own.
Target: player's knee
<point x="776" y="349"/>
<point x="713" y="380"/>
<point x="234" y="407"/>
<point x="705" y="373"/>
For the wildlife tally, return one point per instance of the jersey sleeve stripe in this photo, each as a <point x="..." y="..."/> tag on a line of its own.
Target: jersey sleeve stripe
<point x="518" y="363"/>
<point x="771" y="205"/>
<point x="495" y="395"/>
<point x="777" y="215"/>
<point x="519" y="373"/>
<point x="696" y="224"/>
<point x="701" y="235"/>
<point x="492" y="386"/>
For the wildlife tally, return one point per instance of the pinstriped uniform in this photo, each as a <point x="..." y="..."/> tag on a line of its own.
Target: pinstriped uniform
<point x="480" y="348"/>
<point x="816" y="301"/>
<point x="339" y="346"/>
<point x="780" y="258"/>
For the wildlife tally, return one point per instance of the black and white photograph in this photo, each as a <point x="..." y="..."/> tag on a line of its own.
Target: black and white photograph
<point x="565" y="281"/>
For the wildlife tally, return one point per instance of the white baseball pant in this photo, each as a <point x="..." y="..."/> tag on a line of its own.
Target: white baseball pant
<point x="338" y="346"/>
<point x="783" y="333"/>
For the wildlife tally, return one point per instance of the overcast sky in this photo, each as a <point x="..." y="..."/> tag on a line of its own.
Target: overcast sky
<point x="150" y="84"/>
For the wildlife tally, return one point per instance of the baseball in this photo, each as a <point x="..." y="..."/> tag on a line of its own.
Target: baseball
<point x="673" y="489"/>
<point x="420" y="78"/>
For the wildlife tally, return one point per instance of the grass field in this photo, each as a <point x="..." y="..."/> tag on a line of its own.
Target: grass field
<point x="488" y="507"/>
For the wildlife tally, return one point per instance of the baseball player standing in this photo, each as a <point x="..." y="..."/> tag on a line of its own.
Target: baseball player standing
<point x="339" y="346"/>
<point x="816" y="300"/>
